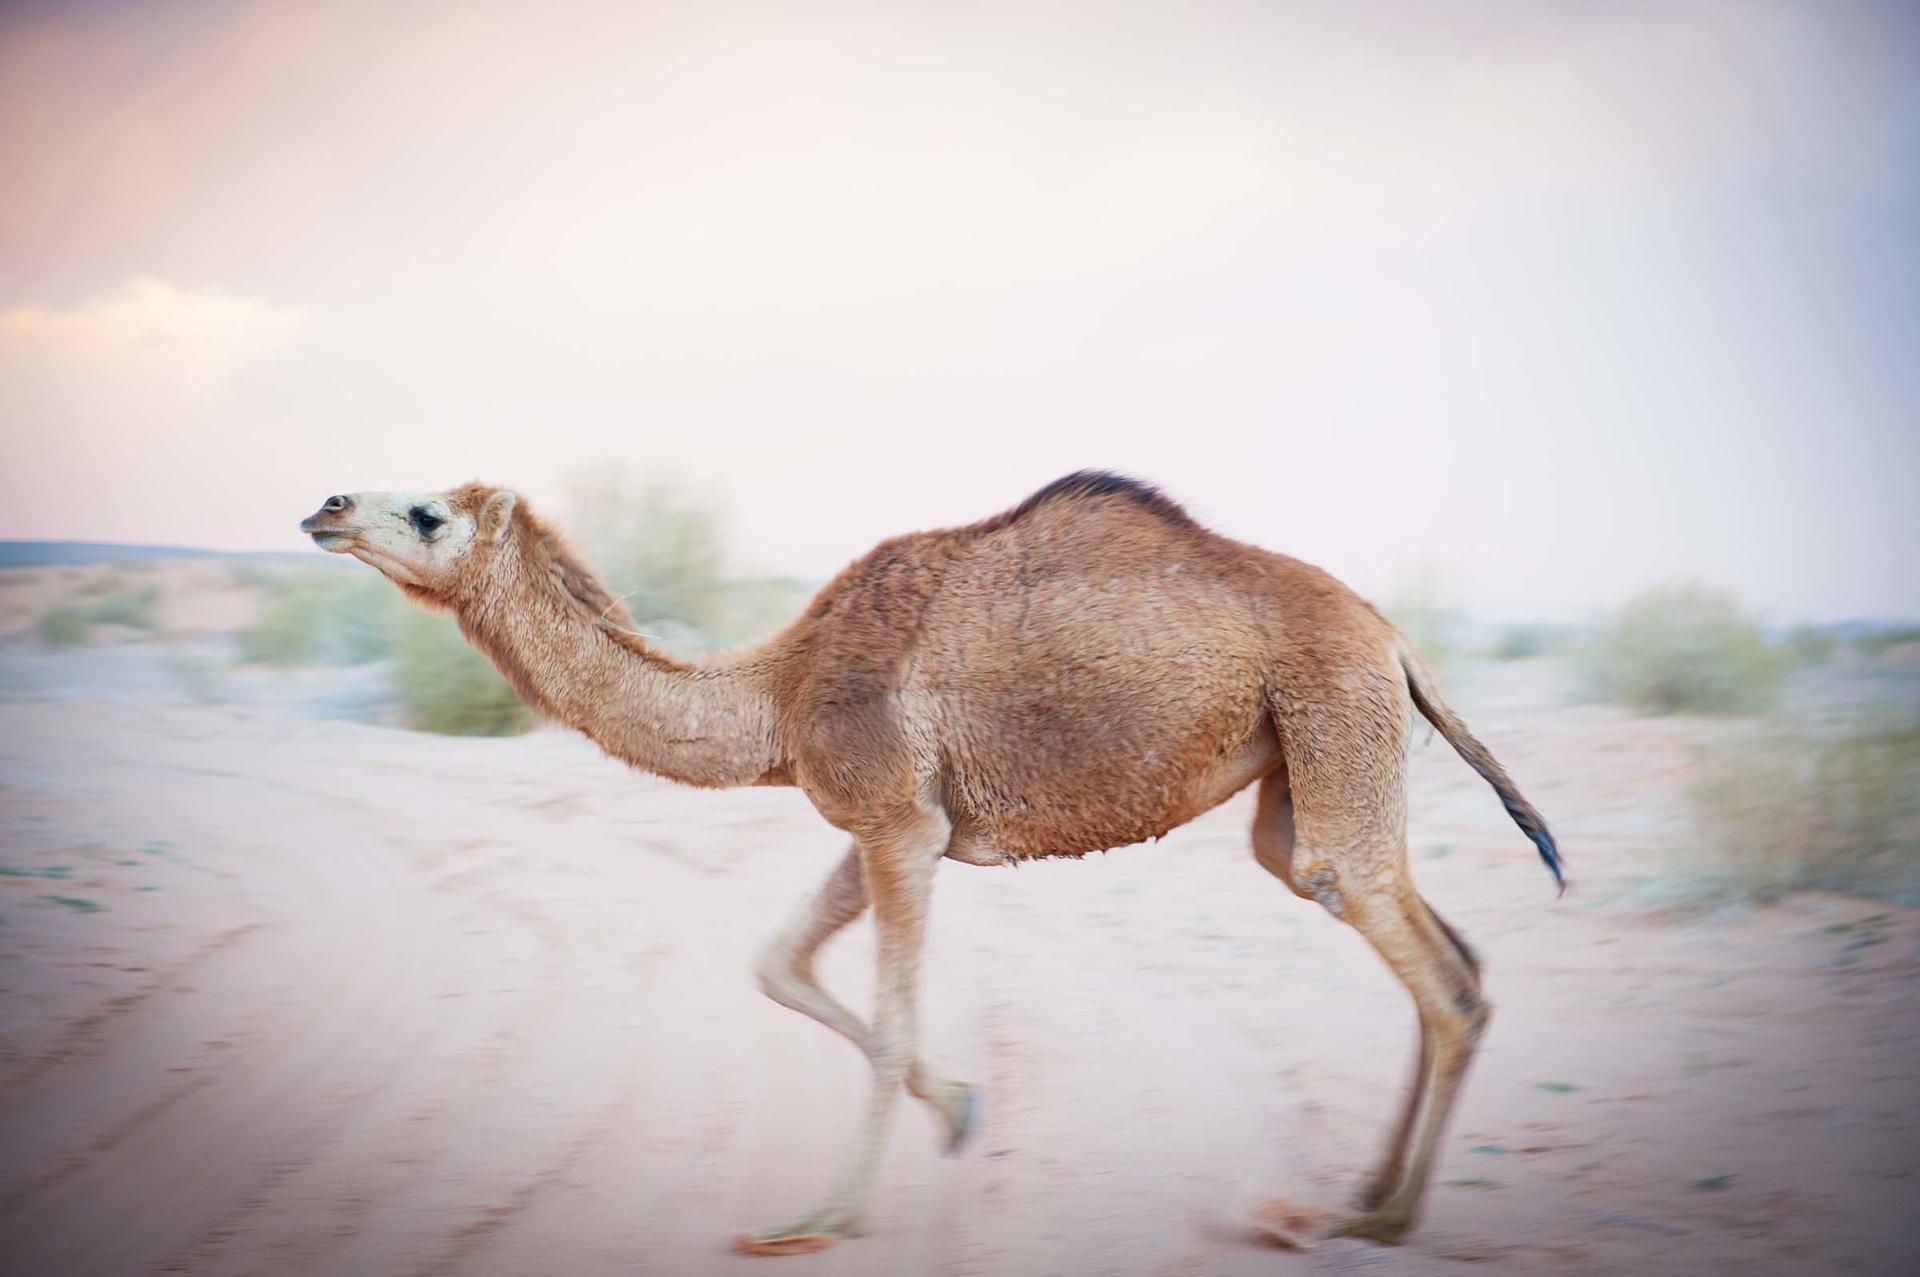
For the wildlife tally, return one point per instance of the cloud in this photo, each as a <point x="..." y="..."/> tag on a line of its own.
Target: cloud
<point x="151" y="337"/>
<point x="158" y="318"/>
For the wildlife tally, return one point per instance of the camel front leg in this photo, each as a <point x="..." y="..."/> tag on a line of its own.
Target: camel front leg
<point x="787" y="976"/>
<point x="897" y="862"/>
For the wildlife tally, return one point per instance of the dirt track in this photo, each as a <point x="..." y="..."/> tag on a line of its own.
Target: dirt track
<point x="356" y="1000"/>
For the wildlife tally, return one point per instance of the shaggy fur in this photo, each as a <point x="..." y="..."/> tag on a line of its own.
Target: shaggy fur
<point x="1087" y="670"/>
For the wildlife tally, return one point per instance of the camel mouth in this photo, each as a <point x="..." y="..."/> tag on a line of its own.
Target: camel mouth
<point x="334" y="539"/>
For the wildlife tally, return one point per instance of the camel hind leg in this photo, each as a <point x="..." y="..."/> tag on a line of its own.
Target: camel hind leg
<point x="1453" y="1015"/>
<point x="1333" y="828"/>
<point x="1273" y="839"/>
<point x="787" y="976"/>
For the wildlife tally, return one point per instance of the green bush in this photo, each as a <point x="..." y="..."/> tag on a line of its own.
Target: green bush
<point x="1830" y="808"/>
<point x="132" y="608"/>
<point x="65" y="626"/>
<point x="1684" y="648"/>
<point x="447" y="686"/>
<point x="325" y="615"/>
<point x="70" y="624"/>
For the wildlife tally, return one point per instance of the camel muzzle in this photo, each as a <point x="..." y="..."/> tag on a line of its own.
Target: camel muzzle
<point x="324" y="525"/>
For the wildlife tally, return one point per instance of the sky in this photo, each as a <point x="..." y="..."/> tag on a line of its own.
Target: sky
<point x="1541" y="302"/>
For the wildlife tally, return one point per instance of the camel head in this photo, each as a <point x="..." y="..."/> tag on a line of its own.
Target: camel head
<point x="437" y="546"/>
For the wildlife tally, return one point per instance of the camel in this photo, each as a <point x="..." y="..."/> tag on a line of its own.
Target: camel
<point x="1086" y="670"/>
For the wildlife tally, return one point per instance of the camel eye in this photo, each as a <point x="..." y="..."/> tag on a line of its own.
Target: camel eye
<point x="424" y="520"/>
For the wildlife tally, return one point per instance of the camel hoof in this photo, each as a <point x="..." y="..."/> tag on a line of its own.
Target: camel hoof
<point x="962" y="1127"/>
<point x="1389" y="1228"/>
<point x="794" y="1244"/>
<point x="1374" y="1193"/>
<point x="813" y="1231"/>
<point x="1289" y="1224"/>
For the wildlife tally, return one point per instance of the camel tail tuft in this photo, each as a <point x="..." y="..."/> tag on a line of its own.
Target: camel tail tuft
<point x="1426" y="698"/>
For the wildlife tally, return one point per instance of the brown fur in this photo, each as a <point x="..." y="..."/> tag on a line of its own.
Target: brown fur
<point x="1089" y="669"/>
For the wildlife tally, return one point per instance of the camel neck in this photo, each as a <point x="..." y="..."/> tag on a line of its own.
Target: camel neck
<point x="710" y="724"/>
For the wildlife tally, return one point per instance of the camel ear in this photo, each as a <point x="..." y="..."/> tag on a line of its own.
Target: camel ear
<point x="497" y="515"/>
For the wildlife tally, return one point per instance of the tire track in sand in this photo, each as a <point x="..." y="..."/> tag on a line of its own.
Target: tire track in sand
<point x="461" y="1247"/>
<point x="86" y="1037"/>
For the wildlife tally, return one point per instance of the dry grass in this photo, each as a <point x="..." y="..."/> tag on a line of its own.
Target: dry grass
<point x="1828" y="807"/>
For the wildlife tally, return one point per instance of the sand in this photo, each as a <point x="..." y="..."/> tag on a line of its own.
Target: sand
<point x="292" y="996"/>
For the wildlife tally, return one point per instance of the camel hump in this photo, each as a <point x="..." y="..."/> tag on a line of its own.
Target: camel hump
<point x="1088" y="485"/>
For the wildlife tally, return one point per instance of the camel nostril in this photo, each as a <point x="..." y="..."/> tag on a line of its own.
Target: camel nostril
<point x="337" y="505"/>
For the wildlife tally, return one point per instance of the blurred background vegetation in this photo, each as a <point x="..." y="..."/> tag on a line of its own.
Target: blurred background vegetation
<point x="1685" y="648"/>
<point x="1812" y="777"/>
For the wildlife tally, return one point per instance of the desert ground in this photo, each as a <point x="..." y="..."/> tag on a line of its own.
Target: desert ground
<point x="280" y="993"/>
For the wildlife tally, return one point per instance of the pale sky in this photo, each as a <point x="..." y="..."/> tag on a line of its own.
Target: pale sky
<point x="1551" y="301"/>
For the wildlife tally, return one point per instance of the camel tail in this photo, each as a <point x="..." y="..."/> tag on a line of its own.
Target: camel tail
<point x="1426" y="698"/>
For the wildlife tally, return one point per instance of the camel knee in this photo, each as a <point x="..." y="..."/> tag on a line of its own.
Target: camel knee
<point x="1322" y="886"/>
<point x="891" y="1053"/>
<point x="1475" y="1012"/>
<point x="779" y="974"/>
<point x="1460" y="1022"/>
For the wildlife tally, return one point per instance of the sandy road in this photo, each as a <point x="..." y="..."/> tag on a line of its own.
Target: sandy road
<point x="316" y="997"/>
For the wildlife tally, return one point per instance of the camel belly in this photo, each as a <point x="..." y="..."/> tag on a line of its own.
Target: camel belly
<point x="1002" y="820"/>
<point x="1071" y="720"/>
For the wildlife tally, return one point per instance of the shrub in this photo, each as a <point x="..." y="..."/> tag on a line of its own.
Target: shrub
<point x="70" y="624"/>
<point x="1833" y="808"/>
<point x="656" y="544"/>
<point x="322" y="614"/>
<point x="446" y="686"/>
<point x="328" y="615"/>
<point x="132" y="608"/>
<point x="65" y="626"/>
<point x="1684" y="648"/>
